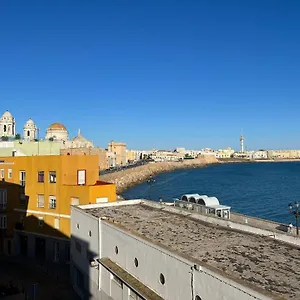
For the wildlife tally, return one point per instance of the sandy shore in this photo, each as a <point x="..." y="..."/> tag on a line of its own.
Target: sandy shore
<point x="127" y="178"/>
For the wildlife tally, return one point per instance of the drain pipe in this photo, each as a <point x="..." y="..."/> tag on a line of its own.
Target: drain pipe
<point x="192" y="282"/>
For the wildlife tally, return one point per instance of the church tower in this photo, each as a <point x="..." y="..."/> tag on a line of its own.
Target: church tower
<point x="7" y="125"/>
<point x="30" y="131"/>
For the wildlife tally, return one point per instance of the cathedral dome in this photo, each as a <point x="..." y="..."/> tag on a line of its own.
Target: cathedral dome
<point x="57" y="126"/>
<point x="57" y="131"/>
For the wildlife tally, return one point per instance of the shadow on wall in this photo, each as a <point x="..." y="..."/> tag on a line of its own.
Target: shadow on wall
<point x="84" y="272"/>
<point x="37" y="253"/>
<point x="51" y="252"/>
<point x="12" y="196"/>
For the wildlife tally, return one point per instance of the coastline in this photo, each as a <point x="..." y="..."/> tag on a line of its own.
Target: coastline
<point x="127" y="178"/>
<point x="130" y="177"/>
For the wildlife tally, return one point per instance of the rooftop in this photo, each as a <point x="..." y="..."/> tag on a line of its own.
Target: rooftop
<point x="260" y="261"/>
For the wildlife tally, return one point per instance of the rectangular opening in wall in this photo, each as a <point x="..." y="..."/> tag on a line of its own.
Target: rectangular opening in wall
<point x="52" y="177"/>
<point x="41" y="201"/>
<point x="52" y="202"/>
<point x="81" y="177"/>
<point x="41" y="176"/>
<point x="9" y="173"/>
<point x="3" y="199"/>
<point x="56" y="251"/>
<point x="3" y="222"/>
<point x="56" y="223"/>
<point x="22" y="178"/>
<point x="2" y="173"/>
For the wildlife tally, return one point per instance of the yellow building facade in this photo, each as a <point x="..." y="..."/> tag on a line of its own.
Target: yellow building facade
<point x="119" y="149"/>
<point x="50" y="185"/>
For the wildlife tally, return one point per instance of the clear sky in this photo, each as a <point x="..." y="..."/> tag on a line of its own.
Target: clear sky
<point x="157" y="73"/>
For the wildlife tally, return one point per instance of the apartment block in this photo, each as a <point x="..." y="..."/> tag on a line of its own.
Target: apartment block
<point x="36" y="194"/>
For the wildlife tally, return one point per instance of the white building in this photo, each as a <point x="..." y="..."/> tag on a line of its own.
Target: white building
<point x="165" y="155"/>
<point x="7" y="125"/>
<point x="30" y="131"/>
<point x="260" y="154"/>
<point x="144" y="250"/>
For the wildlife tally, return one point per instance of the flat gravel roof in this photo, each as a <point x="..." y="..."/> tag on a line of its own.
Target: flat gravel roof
<point x="260" y="261"/>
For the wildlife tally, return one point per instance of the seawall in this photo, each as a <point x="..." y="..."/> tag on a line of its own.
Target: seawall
<point x="129" y="177"/>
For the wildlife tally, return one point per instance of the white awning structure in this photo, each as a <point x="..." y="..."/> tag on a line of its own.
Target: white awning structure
<point x="200" y="199"/>
<point x="194" y="198"/>
<point x="203" y="204"/>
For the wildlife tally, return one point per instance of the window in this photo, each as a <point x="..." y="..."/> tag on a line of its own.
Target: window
<point x="2" y="173"/>
<point x="22" y="178"/>
<point x="40" y="176"/>
<point x="77" y="226"/>
<point x="3" y="222"/>
<point x="40" y="201"/>
<point x="4" y="128"/>
<point x="162" y="279"/>
<point x="78" y="247"/>
<point x="22" y="200"/>
<point x="56" y="223"/>
<point x="81" y="175"/>
<point x="197" y="297"/>
<point x="41" y="221"/>
<point x="52" y="176"/>
<point x="56" y="251"/>
<point x="116" y="250"/>
<point x="9" y="173"/>
<point x="3" y="199"/>
<point x="136" y="262"/>
<point x="52" y="202"/>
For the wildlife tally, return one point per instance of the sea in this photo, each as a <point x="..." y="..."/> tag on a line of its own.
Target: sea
<point x="262" y="190"/>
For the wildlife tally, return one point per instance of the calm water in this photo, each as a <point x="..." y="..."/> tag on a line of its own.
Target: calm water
<point x="263" y="190"/>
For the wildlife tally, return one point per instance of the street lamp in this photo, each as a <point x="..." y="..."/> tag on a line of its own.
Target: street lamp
<point x="150" y="181"/>
<point x="296" y="213"/>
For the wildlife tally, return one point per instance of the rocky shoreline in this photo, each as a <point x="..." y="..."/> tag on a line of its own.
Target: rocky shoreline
<point x="130" y="177"/>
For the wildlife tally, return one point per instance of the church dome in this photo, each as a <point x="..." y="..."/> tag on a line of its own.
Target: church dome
<point x="29" y="123"/>
<point x="57" y="126"/>
<point x="7" y="115"/>
<point x="80" y="141"/>
<point x="57" y="131"/>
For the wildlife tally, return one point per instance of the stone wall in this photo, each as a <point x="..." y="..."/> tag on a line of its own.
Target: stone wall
<point x="103" y="162"/>
<point x="129" y="177"/>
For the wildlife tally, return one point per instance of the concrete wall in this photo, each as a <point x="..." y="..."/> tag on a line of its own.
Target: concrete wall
<point x="182" y="279"/>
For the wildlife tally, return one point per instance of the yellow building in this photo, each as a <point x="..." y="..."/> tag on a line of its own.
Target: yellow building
<point x="131" y="155"/>
<point x="119" y="149"/>
<point x="41" y="211"/>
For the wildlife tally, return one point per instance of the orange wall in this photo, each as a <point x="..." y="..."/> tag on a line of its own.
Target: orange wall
<point x="64" y="189"/>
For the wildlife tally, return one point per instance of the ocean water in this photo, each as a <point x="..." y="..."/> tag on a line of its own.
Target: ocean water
<point x="263" y="190"/>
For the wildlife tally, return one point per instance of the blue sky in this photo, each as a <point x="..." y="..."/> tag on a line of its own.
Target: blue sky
<point x="160" y="74"/>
